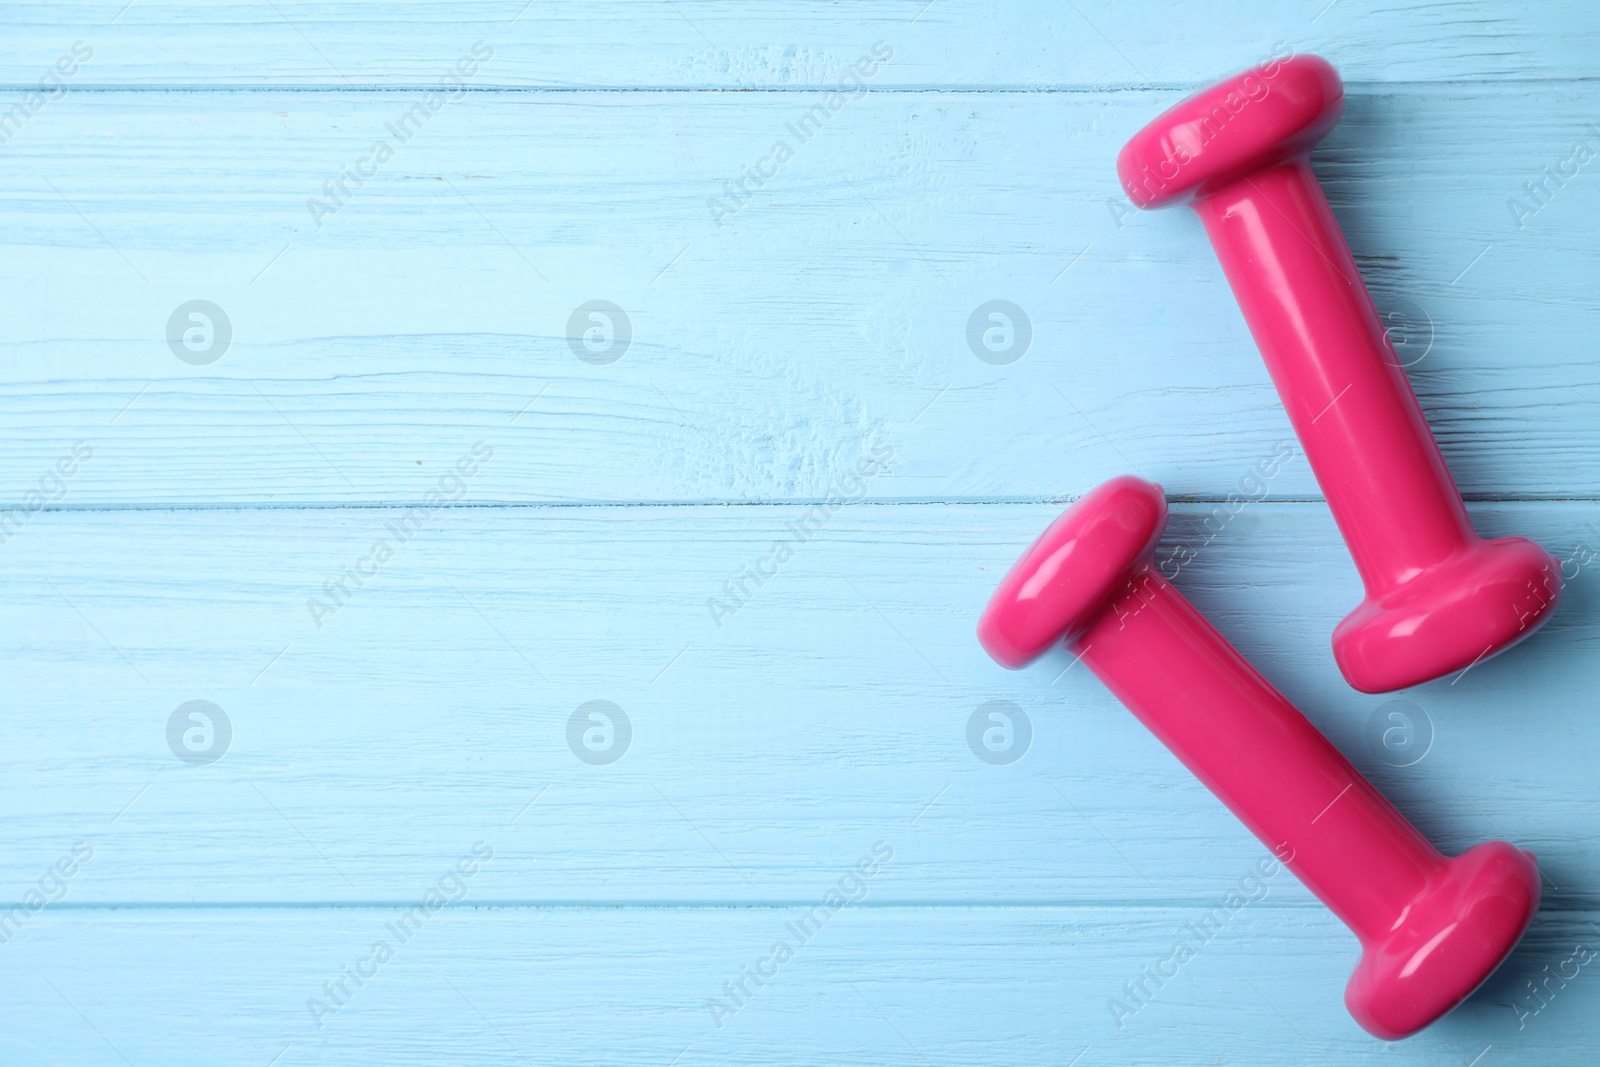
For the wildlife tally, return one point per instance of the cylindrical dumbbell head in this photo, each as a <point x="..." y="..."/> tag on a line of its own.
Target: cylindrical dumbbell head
<point x="1476" y="604"/>
<point x="1067" y="577"/>
<point x="1253" y="120"/>
<point x="1451" y="940"/>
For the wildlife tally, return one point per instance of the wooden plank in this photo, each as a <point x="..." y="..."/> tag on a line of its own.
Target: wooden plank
<point x="607" y="986"/>
<point x="724" y="44"/>
<point x="432" y="311"/>
<point x="435" y="704"/>
<point x="172" y="525"/>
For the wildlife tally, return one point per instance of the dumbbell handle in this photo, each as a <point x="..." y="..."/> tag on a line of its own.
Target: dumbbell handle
<point x="1258" y="754"/>
<point x="1343" y="387"/>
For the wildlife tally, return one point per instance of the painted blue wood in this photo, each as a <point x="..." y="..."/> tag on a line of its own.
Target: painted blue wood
<point x="727" y="44"/>
<point x="897" y="986"/>
<point x="432" y="309"/>
<point x="177" y="529"/>
<point x="835" y="701"/>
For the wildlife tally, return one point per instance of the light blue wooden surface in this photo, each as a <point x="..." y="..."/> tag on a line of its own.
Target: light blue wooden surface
<point x="606" y="507"/>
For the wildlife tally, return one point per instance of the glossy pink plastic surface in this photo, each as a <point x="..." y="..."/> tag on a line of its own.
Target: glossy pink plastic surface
<point x="1431" y="929"/>
<point x="1438" y="597"/>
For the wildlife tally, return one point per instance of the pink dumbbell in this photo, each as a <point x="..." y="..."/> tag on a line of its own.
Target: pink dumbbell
<point x="1431" y="929"/>
<point x="1438" y="597"/>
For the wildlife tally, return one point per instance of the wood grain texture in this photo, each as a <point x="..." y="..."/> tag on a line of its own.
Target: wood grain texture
<point x="897" y="986"/>
<point x="170" y="532"/>
<point x="831" y="708"/>
<point x="783" y="43"/>
<point x="433" y="308"/>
